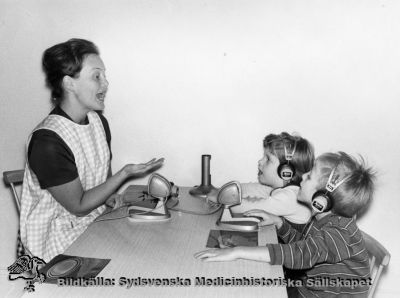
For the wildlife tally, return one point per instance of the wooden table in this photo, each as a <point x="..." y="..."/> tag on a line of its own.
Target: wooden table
<point x="165" y="250"/>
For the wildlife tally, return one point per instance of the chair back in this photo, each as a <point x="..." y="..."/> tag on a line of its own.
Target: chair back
<point x="13" y="178"/>
<point x="379" y="258"/>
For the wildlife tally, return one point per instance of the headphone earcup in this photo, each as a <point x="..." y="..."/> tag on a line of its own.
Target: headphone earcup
<point x="321" y="202"/>
<point x="286" y="171"/>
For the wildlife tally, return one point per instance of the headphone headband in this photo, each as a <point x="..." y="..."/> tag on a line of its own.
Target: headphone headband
<point x="332" y="183"/>
<point x="286" y="170"/>
<point x="289" y="155"/>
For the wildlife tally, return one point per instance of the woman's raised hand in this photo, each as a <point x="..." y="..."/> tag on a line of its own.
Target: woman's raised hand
<point x="143" y="168"/>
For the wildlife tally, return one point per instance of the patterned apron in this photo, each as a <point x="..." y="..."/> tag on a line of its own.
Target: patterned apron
<point x="47" y="228"/>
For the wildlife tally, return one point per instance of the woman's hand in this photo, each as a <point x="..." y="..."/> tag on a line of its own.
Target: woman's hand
<point x="217" y="255"/>
<point x="268" y="218"/>
<point x="115" y="201"/>
<point x="143" y="168"/>
<point x="80" y="202"/>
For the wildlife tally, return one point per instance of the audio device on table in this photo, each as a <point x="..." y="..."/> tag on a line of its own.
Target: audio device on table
<point x="160" y="190"/>
<point x="230" y="195"/>
<point x="206" y="189"/>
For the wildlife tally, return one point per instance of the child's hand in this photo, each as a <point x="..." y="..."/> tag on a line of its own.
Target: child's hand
<point x="217" y="255"/>
<point x="268" y="218"/>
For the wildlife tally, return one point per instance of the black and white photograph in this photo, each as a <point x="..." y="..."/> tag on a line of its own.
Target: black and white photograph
<point x="199" y="148"/>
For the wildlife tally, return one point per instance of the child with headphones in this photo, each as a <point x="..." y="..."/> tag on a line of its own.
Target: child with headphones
<point x="331" y="251"/>
<point x="286" y="158"/>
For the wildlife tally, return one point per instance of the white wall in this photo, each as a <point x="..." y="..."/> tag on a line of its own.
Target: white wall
<point x="194" y="77"/>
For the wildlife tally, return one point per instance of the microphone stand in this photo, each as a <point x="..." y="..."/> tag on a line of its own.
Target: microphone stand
<point x="206" y="187"/>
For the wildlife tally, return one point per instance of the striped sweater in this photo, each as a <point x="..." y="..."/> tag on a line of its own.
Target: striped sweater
<point x="331" y="251"/>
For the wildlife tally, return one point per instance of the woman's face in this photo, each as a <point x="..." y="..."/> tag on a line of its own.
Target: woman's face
<point x="90" y="87"/>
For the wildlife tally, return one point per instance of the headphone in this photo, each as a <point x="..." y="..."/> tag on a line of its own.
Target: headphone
<point x="322" y="200"/>
<point x="286" y="170"/>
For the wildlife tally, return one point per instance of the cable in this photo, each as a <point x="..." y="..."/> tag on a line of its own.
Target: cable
<point x="172" y="208"/>
<point x="98" y="219"/>
<point x="217" y="207"/>
<point x="148" y="211"/>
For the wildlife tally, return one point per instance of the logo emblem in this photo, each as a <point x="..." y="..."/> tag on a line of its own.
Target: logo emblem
<point x="27" y="267"/>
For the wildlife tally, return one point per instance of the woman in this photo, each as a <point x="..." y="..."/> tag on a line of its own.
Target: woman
<point x="68" y="175"/>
